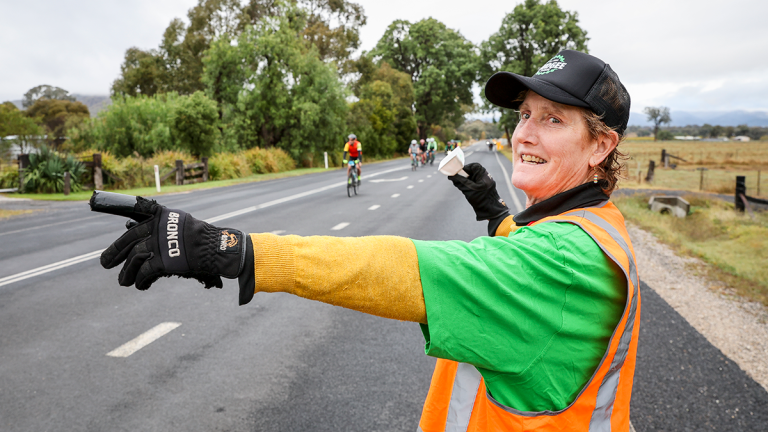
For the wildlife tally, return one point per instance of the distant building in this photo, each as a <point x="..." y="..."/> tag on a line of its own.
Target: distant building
<point x="741" y="138"/>
<point x="687" y="138"/>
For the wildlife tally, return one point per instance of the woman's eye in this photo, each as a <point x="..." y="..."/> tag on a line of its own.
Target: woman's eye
<point x="554" y="120"/>
<point x="525" y="116"/>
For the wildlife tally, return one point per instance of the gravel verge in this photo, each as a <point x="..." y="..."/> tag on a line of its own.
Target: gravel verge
<point x="737" y="327"/>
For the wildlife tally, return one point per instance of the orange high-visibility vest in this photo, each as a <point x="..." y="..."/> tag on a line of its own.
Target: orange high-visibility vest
<point x="458" y="400"/>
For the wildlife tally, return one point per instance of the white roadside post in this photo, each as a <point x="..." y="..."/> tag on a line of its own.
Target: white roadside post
<point x="325" y="156"/>
<point x="157" y="178"/>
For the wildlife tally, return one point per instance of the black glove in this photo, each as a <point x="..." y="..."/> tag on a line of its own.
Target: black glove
<point x="480" y="190"/>
<point x="172" y="242"/>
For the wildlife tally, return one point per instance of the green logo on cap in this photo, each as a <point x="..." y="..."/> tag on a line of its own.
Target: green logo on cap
<point x="555" y="64"/>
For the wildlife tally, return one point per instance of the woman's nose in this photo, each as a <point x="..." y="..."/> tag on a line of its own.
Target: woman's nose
<point x="525" y="132"/>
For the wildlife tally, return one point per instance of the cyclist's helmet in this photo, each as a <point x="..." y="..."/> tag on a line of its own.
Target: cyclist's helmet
<point x="352" y="137"/>
<point x="413" y="142"/>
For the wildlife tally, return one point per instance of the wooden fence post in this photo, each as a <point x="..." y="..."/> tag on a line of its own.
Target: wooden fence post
<point x="67" y="180"/>
<point x="741" y="189"/>
<point x="664" y="159"/>
<point x="205" y="168"/>
<point x="651" y="167"/>
<point x="98" y="180"/>
<point x="23" y="164"/>
<point x="179" y="172"/>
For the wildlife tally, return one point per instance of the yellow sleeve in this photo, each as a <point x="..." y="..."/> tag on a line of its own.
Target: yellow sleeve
<point x="506" y="227"/>
<point x="359" y="146"/>
<point x="346" y="147"/>
<point x="378" y="275"/>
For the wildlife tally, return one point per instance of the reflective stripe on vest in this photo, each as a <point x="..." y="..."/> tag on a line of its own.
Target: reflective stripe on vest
<point x="610" y="386"/>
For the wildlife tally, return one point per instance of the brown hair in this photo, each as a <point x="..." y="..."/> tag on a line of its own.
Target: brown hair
<point x="609" y="170"/>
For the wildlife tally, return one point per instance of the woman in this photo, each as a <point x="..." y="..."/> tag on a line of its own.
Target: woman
<point x="535" y="326"/>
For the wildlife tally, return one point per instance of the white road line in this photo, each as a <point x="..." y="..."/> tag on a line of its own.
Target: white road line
<point x="78" y="259"/>
<point x="143" y="339"/>
<point x="421" y="180"/>
<point x="389" y="180"/>
<point x="48" y="268"/>
<point x="395" y="195"/>
<point x="515" y="199"/>
<point x="340" y="226"/>
<point x="429" y="176"/>
<point x="277" y="232"/>
<point x="374" y="207"/>
<point x="410" y="187"/>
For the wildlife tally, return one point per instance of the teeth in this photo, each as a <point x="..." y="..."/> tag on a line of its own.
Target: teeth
<point x="534" y="159"/>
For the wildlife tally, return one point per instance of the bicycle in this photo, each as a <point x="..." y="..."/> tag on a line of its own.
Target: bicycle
<point x="431" y="157"/>
<point x="414" y="162"/>
<point x="352" y="182"/>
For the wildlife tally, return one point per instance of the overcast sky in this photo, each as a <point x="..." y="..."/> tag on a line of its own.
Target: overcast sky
<point x="688" y="55"/>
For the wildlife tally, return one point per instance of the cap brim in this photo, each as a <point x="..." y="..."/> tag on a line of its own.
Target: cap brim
<point x="504" y="87"/>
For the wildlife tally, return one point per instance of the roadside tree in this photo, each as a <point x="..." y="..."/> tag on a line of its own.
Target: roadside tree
<point x="177" y="64"/>
<point x="273" y="89"/>
<point x="57" y="117"/>
<point x="193" y="123"/>
<point x="383" y="115"/>
<point x="531" y="34"/>
<point x="442" y="66"/>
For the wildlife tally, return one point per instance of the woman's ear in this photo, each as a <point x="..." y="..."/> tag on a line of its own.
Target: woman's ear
<point x="605" y="145"/>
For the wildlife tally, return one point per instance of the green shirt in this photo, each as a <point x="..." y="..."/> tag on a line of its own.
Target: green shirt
<point x="533" y="312"/>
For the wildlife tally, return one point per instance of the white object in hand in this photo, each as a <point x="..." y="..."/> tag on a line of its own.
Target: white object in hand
<point x="453" y="163"/>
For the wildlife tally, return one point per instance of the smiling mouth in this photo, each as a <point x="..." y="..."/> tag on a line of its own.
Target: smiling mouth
<point x="532" y="160"/>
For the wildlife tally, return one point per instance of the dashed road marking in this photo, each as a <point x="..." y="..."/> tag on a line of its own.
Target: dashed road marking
<point x="421" y="180"/>
<point x="48" y="268"/>
<point x="410" y="187"/>
<point x="395" y="195"/>
<point x="374" y="207"/>
<point x="340" y="226"/>
<point x="143" y="339"/>
<point x="429" y="176"/>
<point x="389" y="180"/>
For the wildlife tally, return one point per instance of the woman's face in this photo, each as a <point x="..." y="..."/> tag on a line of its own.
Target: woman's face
<point x="553" y="149"/>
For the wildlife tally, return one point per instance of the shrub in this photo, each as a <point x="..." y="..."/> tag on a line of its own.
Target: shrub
<point x="9" y="176"/>
<point x="223" y="166"/>
<point x="46" y="172"/>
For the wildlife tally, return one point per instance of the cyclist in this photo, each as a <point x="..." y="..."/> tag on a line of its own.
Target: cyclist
<point x="413" y="150"/>
<point x="431" y="149"/>
<point x="355" y="150"/>
<point x="423" y="151"/>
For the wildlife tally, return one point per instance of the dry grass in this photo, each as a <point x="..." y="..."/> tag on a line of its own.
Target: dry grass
<point x="735" y="245"/>
<point x="723" y="161"/>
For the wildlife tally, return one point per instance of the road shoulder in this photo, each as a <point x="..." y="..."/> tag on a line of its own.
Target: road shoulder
<point x="737" y="327"/>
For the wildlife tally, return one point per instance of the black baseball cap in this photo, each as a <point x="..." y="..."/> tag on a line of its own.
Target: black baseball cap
<point x="570" y="78"/>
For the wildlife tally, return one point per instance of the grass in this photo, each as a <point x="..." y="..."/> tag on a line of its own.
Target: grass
<point x="5" y="214"/>
<point x="735" y="245"/>
<point x="151" y="191"/>
<point x="723" y="161"/>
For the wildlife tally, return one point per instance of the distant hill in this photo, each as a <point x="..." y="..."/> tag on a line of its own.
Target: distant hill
<point x="94" y="103"/>
<point x="722" y="118"/>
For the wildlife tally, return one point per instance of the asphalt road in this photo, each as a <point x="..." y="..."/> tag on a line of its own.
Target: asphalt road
<point x="280" y="363"/>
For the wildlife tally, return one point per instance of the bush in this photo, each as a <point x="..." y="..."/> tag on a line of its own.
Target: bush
<point x="9" y="176"/>
<point x="46" y="172"/>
